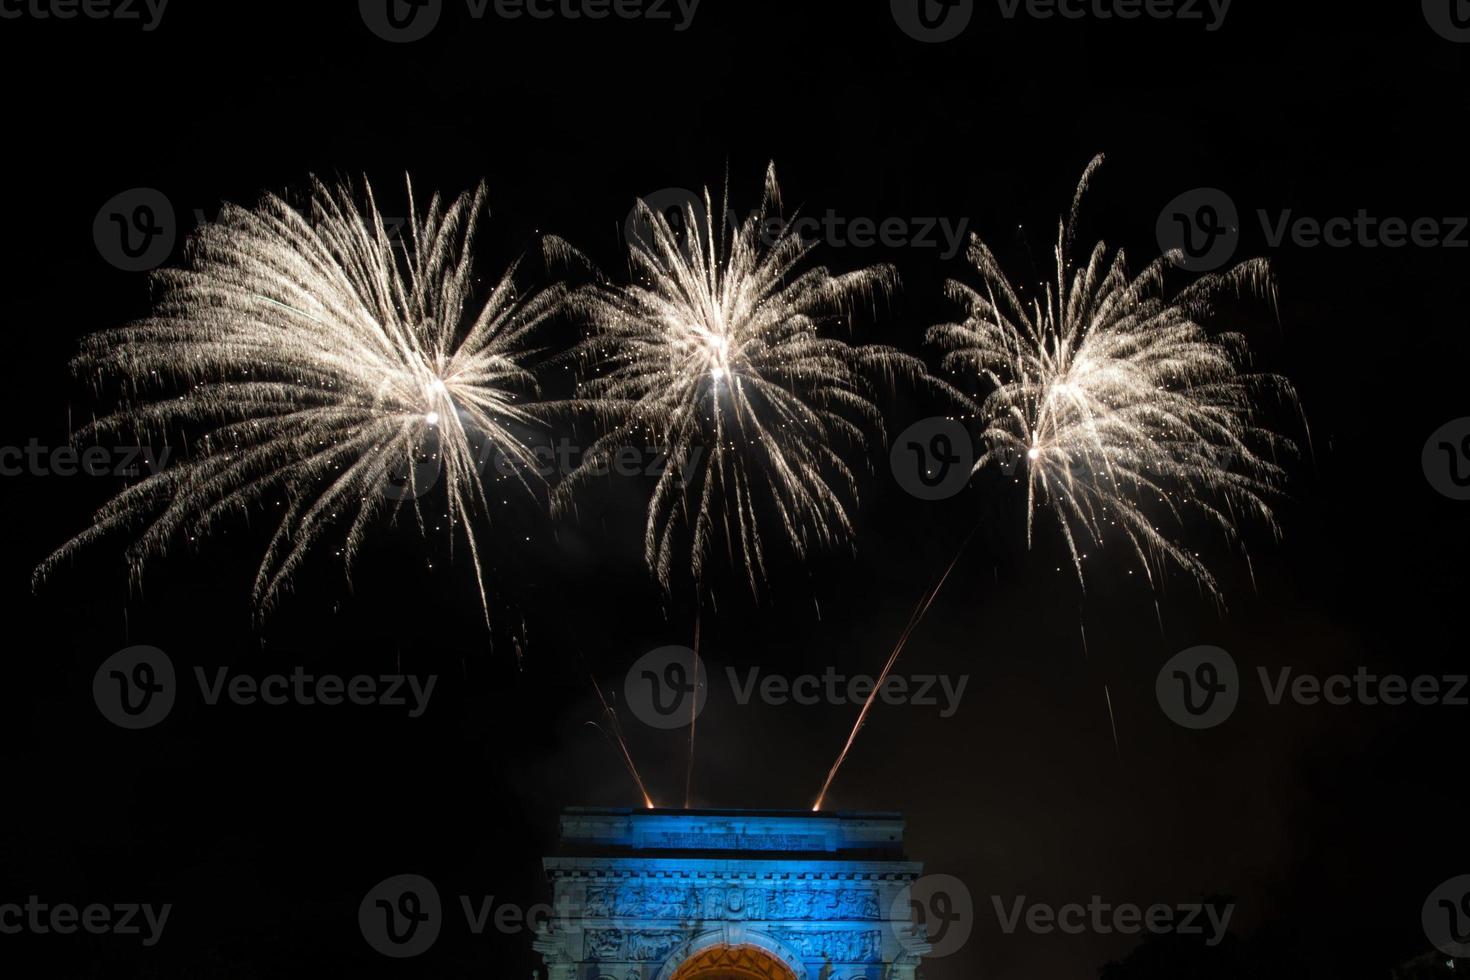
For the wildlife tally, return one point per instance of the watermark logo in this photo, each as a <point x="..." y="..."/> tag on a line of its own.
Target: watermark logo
<point x="1202" y="226"/>
<point x="933" y="458"/>
<point x="1446" y="459"/>
<point x="667" y="688"/>
<point x="940" y="910"/>
<point x="676" y="205"/>
<point x="933" y="21"/>
<point x="135" y="688"/>
<point x="1446" y="917"/>
<point x="412" y="477"/>
<point x="1449" y="18"/>
<point x="135" y="230"/>
<point x="401" y="21"/>
<point x="1199" y="688"/>
<point x="401" y="916"/>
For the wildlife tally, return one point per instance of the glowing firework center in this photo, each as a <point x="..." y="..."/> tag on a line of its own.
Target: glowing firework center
<point x="664" y="895"/>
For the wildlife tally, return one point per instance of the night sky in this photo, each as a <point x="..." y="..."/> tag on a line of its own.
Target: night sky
<point x="1326" y="826"/>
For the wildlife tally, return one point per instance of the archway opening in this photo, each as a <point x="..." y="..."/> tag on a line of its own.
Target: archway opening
<point x="734" y="963"/>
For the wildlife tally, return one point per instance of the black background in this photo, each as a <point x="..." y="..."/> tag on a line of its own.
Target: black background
<point x="264" y="827"/>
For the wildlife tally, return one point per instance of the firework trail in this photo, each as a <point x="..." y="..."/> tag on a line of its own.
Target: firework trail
<point x="1112" y="718"/>
<point x="693" y="718"/>
<point x="614" y="734"/>
<point x="319" y="362"/>
<point x="715" y="352"/>
<point x="915" y="618"/>
<point x="1116" y="401"/>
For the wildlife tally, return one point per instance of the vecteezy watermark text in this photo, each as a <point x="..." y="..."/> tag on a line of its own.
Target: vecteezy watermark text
<point x="1211" y="13"/>
<point x="1364" y="687"/>
<point x="668" y="688"/>
<point x="936" y="21"/>
<point x="402" y="21"/>
<point x="34" y="459"/>
<point x="835" y="688"/>
<point x="63" y="918"/>
<point x="1202" y="227"/>
<point x="299" y="687"/>
<point x="1104" y="918"/>
<point x="831" y="229"/>
<point x="837" y="231"/>
<point x="136" y="688"/>
<point x="1200" y="688"/>
<point x="148" y="12"/>
<point x="413" y="478"/>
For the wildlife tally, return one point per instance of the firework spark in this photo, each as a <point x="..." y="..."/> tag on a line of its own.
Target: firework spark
<point x="323" y="362"/>
<point x="920" y="611"/>
<point x="614" y="734"/>
<point x="716" y="353"/>
<point x="1116" y="401"/>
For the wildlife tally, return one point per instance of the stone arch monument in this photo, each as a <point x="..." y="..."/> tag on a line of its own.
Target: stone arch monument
<point x="720" y="894"/>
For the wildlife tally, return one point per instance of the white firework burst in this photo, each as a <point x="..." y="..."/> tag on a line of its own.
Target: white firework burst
<point x="717" y="354"/>
<point x="1125" y="413"/>
<point x="316" y="361"/>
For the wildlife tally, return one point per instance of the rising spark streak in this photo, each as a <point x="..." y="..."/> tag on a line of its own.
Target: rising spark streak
<point x="323" y="361"/>
<point x="1112" y="719"/>
<point x="614" y="734"/>
<point x="914" y="619"/>
<point x="693" y="717"/>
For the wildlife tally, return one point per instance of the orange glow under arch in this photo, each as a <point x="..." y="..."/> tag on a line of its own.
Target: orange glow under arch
<point x="734" y="963"/>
